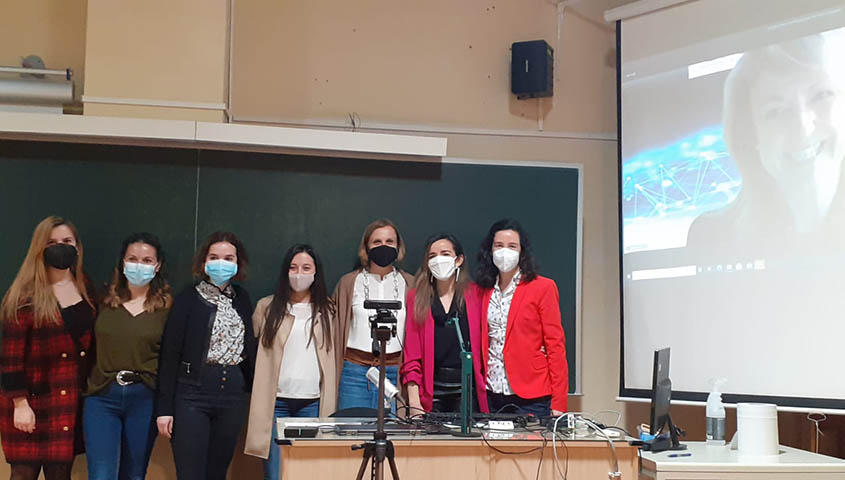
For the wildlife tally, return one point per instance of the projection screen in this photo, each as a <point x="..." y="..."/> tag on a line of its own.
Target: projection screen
<point x="732" y="204"/>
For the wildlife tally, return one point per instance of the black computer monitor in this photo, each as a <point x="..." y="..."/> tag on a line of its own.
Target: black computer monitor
<point x="661" y="397"/>
<point x="661" y="391"/>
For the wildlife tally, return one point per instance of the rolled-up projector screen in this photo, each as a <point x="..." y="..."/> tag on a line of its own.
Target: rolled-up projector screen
<point x="732" y="203"/>
<point x="18" y="90"/>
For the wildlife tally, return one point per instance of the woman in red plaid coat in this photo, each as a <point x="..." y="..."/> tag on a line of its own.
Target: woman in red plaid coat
<point x="47" y="318"/>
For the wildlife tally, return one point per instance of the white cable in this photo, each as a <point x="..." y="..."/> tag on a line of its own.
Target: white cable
<point x="561" y="6"/>
<point x="540" y="113"/>
<point x="554" y="446"/>
<point x="618" y="416"/>
<point x="614" y="473"/>
<point x="586" y="419"/>
<point x="594" y="416"/>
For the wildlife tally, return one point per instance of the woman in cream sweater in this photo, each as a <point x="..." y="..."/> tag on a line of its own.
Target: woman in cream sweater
<point x="295" y="367"/>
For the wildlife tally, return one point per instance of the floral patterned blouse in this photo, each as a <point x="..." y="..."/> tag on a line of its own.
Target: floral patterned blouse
<point x="226" y="344"/>
<point x="497" y="320"/>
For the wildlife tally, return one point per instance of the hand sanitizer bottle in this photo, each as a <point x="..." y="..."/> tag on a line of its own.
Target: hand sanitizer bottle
<point x="715" y="414"/>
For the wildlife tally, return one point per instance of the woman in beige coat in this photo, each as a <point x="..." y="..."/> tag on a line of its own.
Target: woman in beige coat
<point x="295" y="371"/>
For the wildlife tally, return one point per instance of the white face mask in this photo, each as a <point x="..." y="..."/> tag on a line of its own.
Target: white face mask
<point x="442" y="266"/>
<point x="505" y="259"/>
<point x="300" y="282"/>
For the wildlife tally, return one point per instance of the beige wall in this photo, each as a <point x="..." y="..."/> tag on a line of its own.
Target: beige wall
<point x="157" y="50"/>
<point x="438" y="62"/>
<point x="51" y="29"/>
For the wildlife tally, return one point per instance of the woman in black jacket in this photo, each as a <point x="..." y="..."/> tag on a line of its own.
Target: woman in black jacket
<point x="206" y="363"/>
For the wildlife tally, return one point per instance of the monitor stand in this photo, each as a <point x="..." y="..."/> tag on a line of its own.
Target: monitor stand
<point x="664" y="441"/>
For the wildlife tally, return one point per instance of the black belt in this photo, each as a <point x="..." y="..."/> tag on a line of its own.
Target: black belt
<point x="127" y="377"/>
<point x="447" y="381"/>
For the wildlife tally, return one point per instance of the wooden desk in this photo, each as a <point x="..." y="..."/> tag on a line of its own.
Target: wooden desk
<point x="441" y="457"/>
<point x="721" y="463"/>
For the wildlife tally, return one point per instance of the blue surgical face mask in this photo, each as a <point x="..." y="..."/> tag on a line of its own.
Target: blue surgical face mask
<point x="139" y="274"/>
<point x="220" y="271"/>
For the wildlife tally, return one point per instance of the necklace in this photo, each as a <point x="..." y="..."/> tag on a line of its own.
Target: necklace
<point x="394" y="273"/>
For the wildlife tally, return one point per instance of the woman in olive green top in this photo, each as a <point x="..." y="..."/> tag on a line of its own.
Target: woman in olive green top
<point x="118" y="417"/>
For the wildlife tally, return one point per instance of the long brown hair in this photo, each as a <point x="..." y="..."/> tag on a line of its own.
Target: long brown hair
<point x="159" y="295"/>
<point x="424" y="280"/>
<point x="320" y="301"/>
<point x="31" y="287"/>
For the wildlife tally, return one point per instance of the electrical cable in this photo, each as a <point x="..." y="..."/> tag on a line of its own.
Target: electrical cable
<point x="523" y="452"/>
<point x="614" y="473"/>
<point x="618" y="415"/>
<point x="554" y="449"/>
<point x="540" y="463"/>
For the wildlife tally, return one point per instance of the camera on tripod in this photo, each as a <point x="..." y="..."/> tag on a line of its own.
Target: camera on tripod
<point x="384" y="310"/>
<point x="383" y="322"/>
<point x="382" y="328"/>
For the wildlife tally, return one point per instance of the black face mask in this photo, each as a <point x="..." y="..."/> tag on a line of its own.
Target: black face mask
<point x="60" y="255"/>
<point x="383" y="255"/>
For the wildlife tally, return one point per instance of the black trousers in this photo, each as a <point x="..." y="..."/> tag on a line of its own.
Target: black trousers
<point x="539" y="407"/>
<point x="207" y="420"/>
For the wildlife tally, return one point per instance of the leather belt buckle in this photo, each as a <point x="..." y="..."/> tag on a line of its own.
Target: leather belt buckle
<point x="121" y="381"/>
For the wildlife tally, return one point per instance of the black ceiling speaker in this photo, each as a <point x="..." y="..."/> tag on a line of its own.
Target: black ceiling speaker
<point x="532" y="69"/>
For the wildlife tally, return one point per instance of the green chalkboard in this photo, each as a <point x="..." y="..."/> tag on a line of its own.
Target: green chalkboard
<point x="272" y="201"/>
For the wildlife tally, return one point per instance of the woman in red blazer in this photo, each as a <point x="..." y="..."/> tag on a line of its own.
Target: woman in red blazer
<point x="432" y="366"/>
<point x="48" y="317"/>
<point x="523" y="342"/>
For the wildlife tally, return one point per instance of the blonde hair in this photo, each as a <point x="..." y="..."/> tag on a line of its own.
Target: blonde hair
<point x="368" y="232"/>
<point x="31" y="287"/>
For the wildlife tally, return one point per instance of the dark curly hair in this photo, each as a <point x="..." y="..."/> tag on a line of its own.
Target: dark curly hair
<point x="486" y="273"/>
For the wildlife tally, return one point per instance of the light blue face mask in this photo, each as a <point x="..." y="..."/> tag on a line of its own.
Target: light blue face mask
<point x="139" y="274"/>
<point x="220" y="271"/>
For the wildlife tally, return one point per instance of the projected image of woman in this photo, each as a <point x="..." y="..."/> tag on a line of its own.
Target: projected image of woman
<point x="784" y="125"/>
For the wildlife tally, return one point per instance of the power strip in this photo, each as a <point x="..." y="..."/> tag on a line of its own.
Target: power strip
<point x="500" y="425"/>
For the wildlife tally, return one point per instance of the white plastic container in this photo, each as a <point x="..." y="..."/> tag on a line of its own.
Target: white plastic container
<point x="715" y="426"/>
<point x="757" y="429"/>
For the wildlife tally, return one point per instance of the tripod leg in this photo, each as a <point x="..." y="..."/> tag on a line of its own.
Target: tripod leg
<point x="393" y="471"/>
<point x="364" y="462"/>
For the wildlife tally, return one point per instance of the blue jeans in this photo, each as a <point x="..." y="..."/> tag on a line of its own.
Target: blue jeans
<point x="119" y="432"/>
<point x="356" y="391"/>
<point x="287" y="407"/>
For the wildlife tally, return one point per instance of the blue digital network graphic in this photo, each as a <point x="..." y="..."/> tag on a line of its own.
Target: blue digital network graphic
<point x="666" y="188"/>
